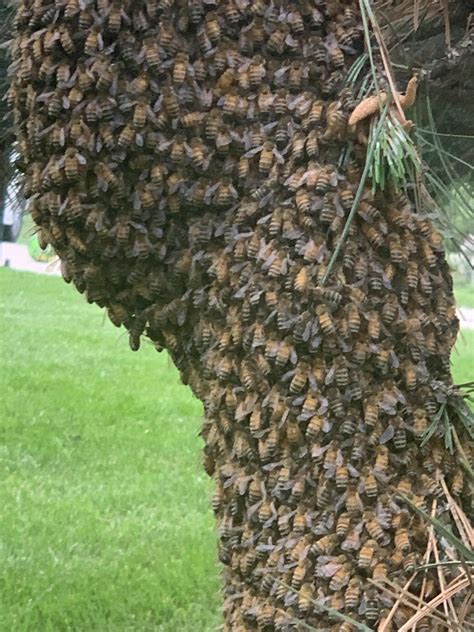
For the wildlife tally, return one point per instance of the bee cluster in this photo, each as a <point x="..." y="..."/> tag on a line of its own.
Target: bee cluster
<point x="183" y="157"/>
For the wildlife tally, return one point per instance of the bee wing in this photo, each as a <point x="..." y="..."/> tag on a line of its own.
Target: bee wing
<point x="352" y="471"/>
<point x="280" y="73"/>
<point x="286" y="377"/>
<point x="158" y="105"/>
<point x="253" y="152"/>
<point x="329" y="379"/>
<point x="327" y="570"/>
<point x="136" y="201"/>
<point x="278" y="157"/>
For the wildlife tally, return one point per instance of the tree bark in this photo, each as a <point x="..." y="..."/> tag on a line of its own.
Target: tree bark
<point x="188" y="163"/>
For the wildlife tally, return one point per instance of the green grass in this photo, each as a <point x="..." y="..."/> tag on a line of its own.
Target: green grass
<point x="464" y="294"/>
<point x="106" y="515"/>
<point x="106" y="521"/>
<point x="27" y="230"/>
<point x="463" y="357"/>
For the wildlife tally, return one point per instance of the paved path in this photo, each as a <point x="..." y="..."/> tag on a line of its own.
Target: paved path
<point x="17" y="257"/>
<point x="466" y="316"/>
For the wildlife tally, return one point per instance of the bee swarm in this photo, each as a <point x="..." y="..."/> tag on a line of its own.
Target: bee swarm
<point x="183" y="158"/>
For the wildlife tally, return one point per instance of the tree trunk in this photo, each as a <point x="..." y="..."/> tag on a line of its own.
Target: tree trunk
<point x="186" y="162"/>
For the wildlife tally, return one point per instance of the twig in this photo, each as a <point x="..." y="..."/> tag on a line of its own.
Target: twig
<point x="409" y="600"/>
<point x="465" y="529"/>
<point x="388" y="619"/>
<point x="447" y="604"/>
<point x="358" y="195"/>
<point x="428" y="551"/>
<point x="429" y="608"/>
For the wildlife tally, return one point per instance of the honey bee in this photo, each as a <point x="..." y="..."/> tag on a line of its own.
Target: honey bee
<point x="72" y="163"/>
<point x="94" y="42"/>
<point x="314" y="427"/>
<point x="265" y="615"/>
<point x="397" y="254"/>
<point x="170" y="101"/>
<point x="399" y="433"/>
<point x="405" y="486"/>
<point x="353" y="593"/>
<point x="428" y="254"/>
<point x="151" y="53"/>
<point x="370" y="483"/>
<point x="140" y="114"/>
<point x="276" y="41"/>
<point x="409" y="374"/>
<point x="303" y="201"/>
<point x="306" y="597"/>
<point x="342" y="476"/>
<point x="457" y="483"/>
<point x="366" y="554"/>
<point x="372" y="608"/>
<point x="264" y="103"/>
<point x="296" y="75"/>
<point x="323" y="494"/>
<point x="293" y="432"/>
<point x="299" y="574"/>
<point x="66" y="40"/>
<point x="432" y="485"/>
<point x="336" y="122"/>
<point x="105" y="176"/>
<point x="300" y="377"/>
<point x="225" y="193"/>
<point x="266" y="157"/>
<point x="126" y="136"/>
<point x="167" y="37"/>
<point x="410" y="562"/>
<point x="353" y="501"/>
<point x="373" y="325"/>
<point x="213" y="29"/>
<point x="323" y="546"/>
<point x="341" y="577"/>
<point x="280" y="103"/>
<point x="75" y="241"/>
<point x="325" y="320"/>
<point x="343" y="524"/>
<point x="371" y="411"/>
<point x="381" y="459"/>
<point x="326" y="179"/>
<point x="420" y="423"/>
<point x="197" y="153"/>
<point x="336" y="404"/>
<point x="298" y="146"/>
<point x="402" y="541"/>
<point x="213" y="122"/>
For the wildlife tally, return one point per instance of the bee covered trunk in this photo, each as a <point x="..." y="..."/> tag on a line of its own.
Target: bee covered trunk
<point x="184" y="161"/>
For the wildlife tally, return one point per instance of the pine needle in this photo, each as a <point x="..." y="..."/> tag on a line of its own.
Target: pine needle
<point x="357" y="198"/>
<point x="453" y="589"/>
<point x="331" y="611"/>
<point x="458" y="545"/>
<point x="395" y="606"/>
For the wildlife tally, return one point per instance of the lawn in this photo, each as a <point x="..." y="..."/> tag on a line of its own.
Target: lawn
<point x="106" y="526"/>
<point x="106" y="514"/>
<point x="464" y="293"/>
